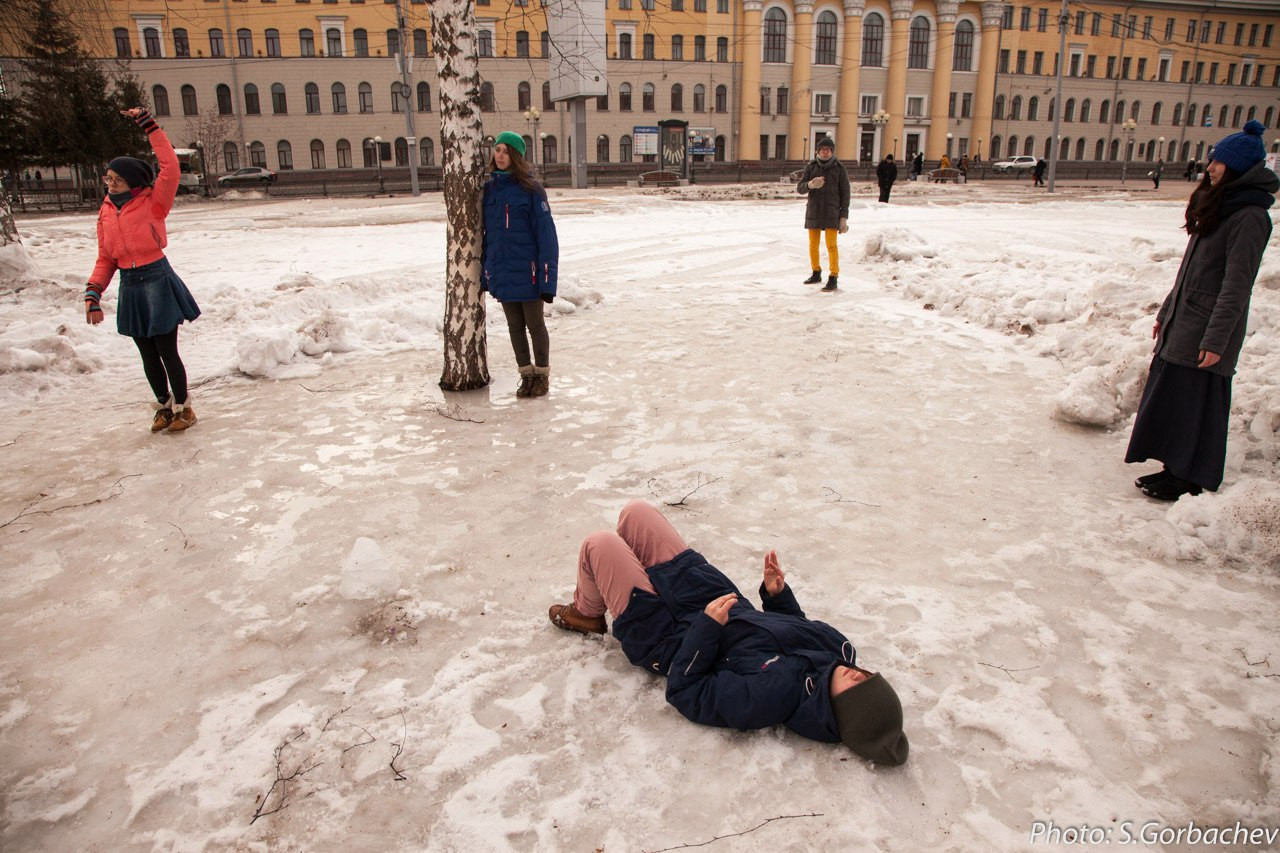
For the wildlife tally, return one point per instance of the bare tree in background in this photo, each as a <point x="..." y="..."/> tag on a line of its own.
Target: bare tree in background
<point x="453" y="28"/>
<point x="212" y="130"/>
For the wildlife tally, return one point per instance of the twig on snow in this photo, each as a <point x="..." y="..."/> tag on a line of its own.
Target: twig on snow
<point x="185" y="541"/>
<point x="28" y="510"/>
<point x="1007" y="671"/>
<point x="841" y="499"/>
<point x="453" y="412"/>
<point x="332" y="390"/>
<point x="400" y="777"/>
<point x="696" y="489"/>
<point x="282" y="781"/>
<point x="737" y="834"/>
<point x="1266" y="661"/>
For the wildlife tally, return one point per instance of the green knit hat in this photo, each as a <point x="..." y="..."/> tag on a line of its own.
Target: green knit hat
<point x="513" y="141"/>
<point x="869" y="719"/>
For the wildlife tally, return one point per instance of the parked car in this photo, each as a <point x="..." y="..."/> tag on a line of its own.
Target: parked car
<point x="1021" y="163"/>
<point x="250" y="175"/>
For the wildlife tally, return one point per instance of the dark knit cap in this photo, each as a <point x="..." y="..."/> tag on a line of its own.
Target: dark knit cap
<point x="512" y="140"/>
<point x="826" y="142"/>
<point x="1241" y="151"/>
<point x="136" y="173"/>
<point x="869" y="719"/>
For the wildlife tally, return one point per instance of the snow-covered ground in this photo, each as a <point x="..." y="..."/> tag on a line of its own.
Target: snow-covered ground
<point x="935" y="452"/>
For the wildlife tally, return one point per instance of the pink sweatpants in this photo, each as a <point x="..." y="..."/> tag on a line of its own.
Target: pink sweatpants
<point x="610" y="565"/>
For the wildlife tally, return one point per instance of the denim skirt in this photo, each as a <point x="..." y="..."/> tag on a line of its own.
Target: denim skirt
<point x="153" y="301"/>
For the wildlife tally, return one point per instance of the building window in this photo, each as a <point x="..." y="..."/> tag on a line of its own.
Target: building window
<point x="549" y="150"/>
<point x="160" y="100"/>
<point x="424" y="97"/>
<point x="624" y="97"/>
<point x="365" y="93"/>
<point x="123" y="48"/>
<point x="918" y="48"/>
<point x="915" y="107"/>
<point x="1033" y="109"/>
<point x="545" y="40"/>
<point x="775" y="35"/>
<point x="1021" y="67"/>
<point x="427" y="151"/>
<point x="1069" y="114"/>
<point x="784" y="101"/>
<point x="602" y="149"/>
<point x="624" y="149"/>
<point x="699" y="98"/>
<point x="151" y="42"/>
<point x="873" y="41"/>
<point x="251" y="106"/>
<point x="306" y="43"/>
<point x="780" y="147"/>
<point x="700" y="48"/>
<point x="1015" y="108"/>
<point x="1024" y="19"/>
<point x="1104" y="113"/>
<point x="420" y="46"/>
<point x="215" y="43"/>
<point x="333" y="41"/>
<point x="1042" y="20"/>
<point x="362" y="42"/>
<point x="963" y="54"/>
<point x="223" y="93"/>
<point x="524" y="96"/>
<point x="624" y="45"/>
<point x="317" y="154"/>
<point x="522" y="43"/>
<point x="397" y="100"/>
<point x="1004" y="61"/>
<point x="339" y="92"/>
<point x="547" y="104"/>
<point x="677" y="98"/>
<point x="1037" y="62"/>
<point x="997" y="111"/>
<point x="284" y="155"/>
<point x="649" y="50"/>
<point x="677" y="47"/>
<point x="230" y="156"/>
<point x="828" y="26"/>
<point x="647" y="98"/>
<point x="487" y="104"/>
<point x="311" y="94"/>
<point x="278" y="104"/>
<point x="258" y="155"/>
<point x="393" y="42"/>
<point x="722" y="49"/>
<point x="486" y="43"/>
<point x="343" y="149"/>
<point x="1086" y="108"/>
<point x="402" y="151"/>
<point x="181" y="46"/>
<point x="244" y="42"/>
<point x="602" y="103"/>
<point x="722" y="99"/>
<point x="821" y="103"/>
<point x="765" y="100"/>
<point x="966" y="105"/>
<point x="1156" y="109"/>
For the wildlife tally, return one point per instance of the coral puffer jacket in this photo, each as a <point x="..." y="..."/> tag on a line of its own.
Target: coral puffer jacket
<point x="134" y="235"/>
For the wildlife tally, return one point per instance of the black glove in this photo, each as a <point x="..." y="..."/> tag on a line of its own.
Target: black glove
<point x="548" y="298"/>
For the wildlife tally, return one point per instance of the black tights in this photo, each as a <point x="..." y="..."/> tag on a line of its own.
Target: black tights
<point x="163" y="366"/>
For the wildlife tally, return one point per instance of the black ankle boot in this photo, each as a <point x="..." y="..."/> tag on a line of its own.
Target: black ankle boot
<point x="830" y="285"/>
<point x="1170" y="489"/>
<point x="1152" y="479"/>
<point x="815" y="278"/>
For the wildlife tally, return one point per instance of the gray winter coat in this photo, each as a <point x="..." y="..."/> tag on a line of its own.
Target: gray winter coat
<point x="1209" y="304"/>
<point x="829" y="203"/>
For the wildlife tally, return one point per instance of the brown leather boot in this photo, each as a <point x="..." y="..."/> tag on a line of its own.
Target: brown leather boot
<point x="567" y="617"/>
<point x="184" y="417"/>
<point x="541" y="381"/>
<point x="526" y="381"/>
<point x="164" y="416"/>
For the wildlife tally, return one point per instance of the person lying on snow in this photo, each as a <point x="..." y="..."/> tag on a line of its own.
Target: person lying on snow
<point x="727" y="663"/>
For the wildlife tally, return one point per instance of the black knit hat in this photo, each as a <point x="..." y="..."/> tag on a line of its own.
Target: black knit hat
<point x="825" y="142"/>
<point x="136" y="173"/>
<point x="869" y="719"/>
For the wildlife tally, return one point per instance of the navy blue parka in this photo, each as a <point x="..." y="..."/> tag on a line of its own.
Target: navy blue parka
<point x="764" y="668"/>
<point x="521" y="251"/>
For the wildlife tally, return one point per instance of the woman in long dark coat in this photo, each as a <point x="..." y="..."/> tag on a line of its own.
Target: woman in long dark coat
<point x="1199" y="330"/>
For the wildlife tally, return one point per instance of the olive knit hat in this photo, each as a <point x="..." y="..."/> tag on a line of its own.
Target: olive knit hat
<point x="1241" y="151"/>
<point x="869" y="719"/>
<point x="513" y="141"/>
<point x="136" y="173"/>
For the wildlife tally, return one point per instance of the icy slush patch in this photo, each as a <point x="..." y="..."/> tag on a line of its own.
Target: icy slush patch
<point x="366" y="574"/>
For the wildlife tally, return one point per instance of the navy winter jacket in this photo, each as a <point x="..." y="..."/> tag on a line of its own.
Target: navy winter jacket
<point x="521" y="251"/>
<point x="764" y="668"/>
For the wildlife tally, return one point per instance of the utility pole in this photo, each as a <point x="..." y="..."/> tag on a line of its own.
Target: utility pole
<point x="406" y="94"/>
<point x="235" y="79"/>
<point x="1064" y="20"/>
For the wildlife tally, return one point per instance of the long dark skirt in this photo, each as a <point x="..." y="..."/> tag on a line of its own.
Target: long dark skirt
<point x="153" y="301"/>
<point x="1182" y="422"/>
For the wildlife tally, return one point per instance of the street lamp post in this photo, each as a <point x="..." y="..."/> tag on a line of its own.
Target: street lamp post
<point x="1160" y="148"/>
<point x="948" y="146"/>
<point x="977" y="156"/>
<point x="204" y="171"/>
<point x="532" y="116"/>
<point x="880" y="119"/>
<point x="1128" y="128"/>
<point x="377" y="156"/>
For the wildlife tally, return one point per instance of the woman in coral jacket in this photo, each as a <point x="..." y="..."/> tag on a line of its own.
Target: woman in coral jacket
<point x="153" y="301"/>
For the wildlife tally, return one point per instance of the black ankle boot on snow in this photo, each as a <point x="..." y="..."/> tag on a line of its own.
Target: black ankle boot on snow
<point x="1170" y="488"/>
<point x="815" y="278"/>
<point x="1152" y="479"/>
<point x="830" y="285"/>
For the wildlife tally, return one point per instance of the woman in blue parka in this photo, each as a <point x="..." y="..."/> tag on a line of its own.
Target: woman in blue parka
<point x="520" y="253"/>
<point x="727" y="663"/>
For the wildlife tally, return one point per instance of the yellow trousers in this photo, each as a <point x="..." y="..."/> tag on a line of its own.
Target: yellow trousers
<point x="832" y="251"/>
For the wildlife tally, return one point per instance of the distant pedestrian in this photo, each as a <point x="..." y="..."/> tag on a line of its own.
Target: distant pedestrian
<point x="886" y="174"/>
<point x="39" y="181"/>
<point x="27" y="183"/>
<point x="964" y="167"/>
<point x="917" y="165"/>
<point x="1200" y="329"/>
<point x="826" y="214"/>
<point x="1042" y="166"/>
<point x="1190" y="173"/>
<point x="153" y="300"/>
<point x="1155" y="173"/>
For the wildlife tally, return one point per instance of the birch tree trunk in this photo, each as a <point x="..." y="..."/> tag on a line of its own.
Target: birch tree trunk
<point x="453" y="29"/>
<point x="8" y="230"/>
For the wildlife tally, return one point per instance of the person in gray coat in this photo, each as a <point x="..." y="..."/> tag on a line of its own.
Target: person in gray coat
<point x="1200" y="328"/>
<point x="827" y="184"/>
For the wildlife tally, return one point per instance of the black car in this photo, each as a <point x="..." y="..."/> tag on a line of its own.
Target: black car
<point x="250" y="175"/>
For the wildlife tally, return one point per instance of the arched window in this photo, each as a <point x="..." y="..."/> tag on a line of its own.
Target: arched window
<point x="624" y="149"/>
<point x="273" y="42"/>
<point x="123" y="49"/>
<point x="720" y="148"/>
<point x="1115" y="150"/>
<point x="1080" y="148"/>
<point x="343" y="150"/>
<point x="996" y="143"/>
<point x="189" y="105"/>
<point x="317" y="154"/>
<point x="223" y="93"/>
<point x="1069" y="114"/>
<point x="722" y="99"/>
<point x="1222" y="119"/>
<point x="549" y="149"/>
<point x="528" y="142"/>
<point x="1104" y="112"/>
<point x="873" y="40"/>
<point x="602" y="149"/>
<point x="1086" y="107"/>
<point x="1186" y="150"/>
<point x="365" y="92"/>
<point x="1177" y="114"/>
<point x="333" y="41"/>
<point x="484" y="42"/>
<point x="524" y="96"/>
<point x="279" y="106"/>
<point x="244" y="42"/>
<point x="963" y="53"/>
<point x="215" y="43"/>
<point x="420" y="45"/>
<point x="828" y="28"/>
<point x="371" y="153"/>
<point x="251" y="105"/>
<point x="306" y="42"/>
<point x="1053" y="106"/>
<point x="1135" y="111"/>
<point x="998" y="110"/>
<point x="1015" y="112"/>
<point x="1252" y="114"/>
<point x="647" y="98"/>
<point x="1191" y="115"/>
<point x="230" y="156"/>
<point x="1098" y="150"/>
<point x="1119" y="111"/>
<point x="339" y="93"/>
<point x="1064" y="149"/>
<point x="1029" y="146"/>
<point x="547" y="103"/>
<point x="284" y="154"/>
<point x="918" y="46"/>
<point x="1033" y="109"/>
<point x="397" y="100"/>
<point x="151" y="42"/>
<point x="486" y="98"/>
<point x="1266" y="120"/>
<point x="1013" y="146"/>
<point x="181" y="44"/>
<point x="311" y="94"/>
<point x="775" y="35"/>
<point x="402" y="151"/>
<point x="624" y="97"/>
<point x="424" y="97"/>
<point x="361" y="37"/>
<point x="257" y="154"/>
<point x="160" y="100"/>
<point x="677" y="98"/>
<point x="699" y="98"/>
<point x="1235" y="118"/>
<point x="426" y="151"/>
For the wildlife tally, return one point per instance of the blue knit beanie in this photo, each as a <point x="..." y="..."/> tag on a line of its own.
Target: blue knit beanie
<point x="516" y="141"/>
<point x="1241" y="151"/>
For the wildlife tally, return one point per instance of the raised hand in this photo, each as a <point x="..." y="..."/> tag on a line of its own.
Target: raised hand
<point x="774" y="579"/>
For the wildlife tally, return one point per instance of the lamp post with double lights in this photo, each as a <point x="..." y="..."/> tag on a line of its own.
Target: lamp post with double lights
<point x="1128" y="128"/>
<point x="377" y="158"/>
<point x="532" y="116"/>
<point x="880" y="119"/>
<point x="949" y="137"/>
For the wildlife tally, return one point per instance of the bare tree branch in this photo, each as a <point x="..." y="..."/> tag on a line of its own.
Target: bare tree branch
<point x="282" y="780"/>
<point x="838" y="498"/>
<point x="28" y="510"/>
<point x="766" y="822"/>
<point x="1007" y="671"/>
<point x="453" y="412"/>
<point x="400" y="777"/>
